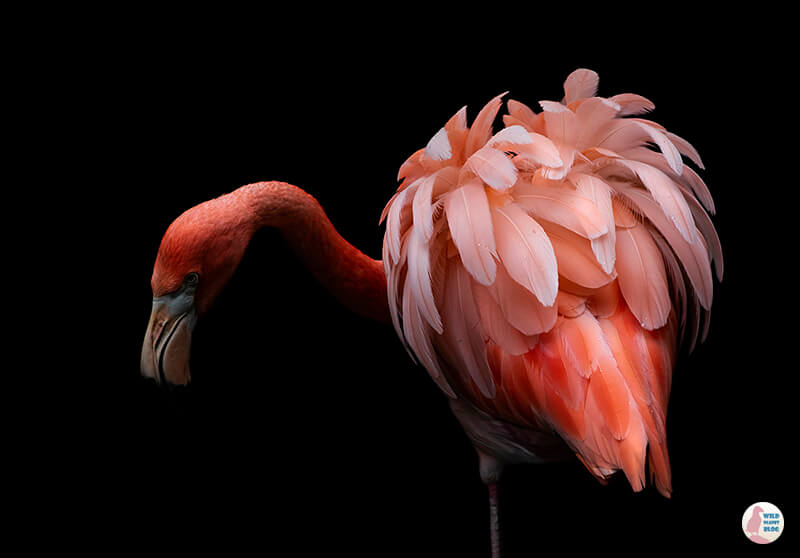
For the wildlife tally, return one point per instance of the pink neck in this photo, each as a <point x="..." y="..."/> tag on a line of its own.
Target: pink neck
<point x="354" y="278"/>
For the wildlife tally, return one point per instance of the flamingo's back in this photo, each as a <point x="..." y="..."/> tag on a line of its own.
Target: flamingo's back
<point x="548" y="272"/>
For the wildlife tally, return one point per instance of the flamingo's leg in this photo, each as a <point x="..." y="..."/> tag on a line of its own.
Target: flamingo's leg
<point x="491" y="469"/>
<point x="494" y="520"/>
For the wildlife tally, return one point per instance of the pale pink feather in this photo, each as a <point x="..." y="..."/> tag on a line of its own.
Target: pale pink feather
<point x="668" y="149"/>
<point x="688" y="177"/>
<point x="509" y="120"/>
<point x="521" y="307"/>
<point x="422" y="206"/>
<point x="419" y="278"/>
<point x="497" y="326"/>
<point x="709" y="234"/>
<point x="570" y="305"/>
<point x="576" y="260"/>
<point x="540" y="151"/>
<point x="620" y="134"/>
<point x="692" y="256"/>
<point x="631" y="104"/>
<point x="526" y="252"/>
<point x="685" y="148"/>
<point x="677" y="282"/>
<point x="642" y="278"/>
<point x="523" y="113"/>
<point x="626" y="214"/>
<point x="481" y="129"/>
<point x="663" y="190"/>
<point x="566" y="152"/>
<point x="418" y="335"/>
<point x="464" y="334"/>
<point x="604" y="302"/>
<point x="398" y="219"/>
<point x="494" y="167"/>
<point x="470" y="222"/>
<point x="395" y="280"/>
<point x="457" y="122"/>
<point x="592" y="115"/>
<point x="580" y="84"/>
<point x="564" y="206"/>
<point x="512" y="135"/>
<point x="560" y="122"/>
<point x="457" y="132"/>
<point x="599" y="193"/>
<point x="438" y="147"/>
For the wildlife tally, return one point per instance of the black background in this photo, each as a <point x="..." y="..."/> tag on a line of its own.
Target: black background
<point x="308" y="428"/>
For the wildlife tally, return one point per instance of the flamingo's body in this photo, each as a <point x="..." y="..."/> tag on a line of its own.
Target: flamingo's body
<point x="544" y="275"/>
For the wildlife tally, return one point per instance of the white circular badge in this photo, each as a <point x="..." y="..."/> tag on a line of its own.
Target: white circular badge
<point x="762" y="522"/>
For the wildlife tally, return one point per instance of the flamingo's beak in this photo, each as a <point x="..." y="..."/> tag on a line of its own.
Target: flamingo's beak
<point x="167" y="342"/>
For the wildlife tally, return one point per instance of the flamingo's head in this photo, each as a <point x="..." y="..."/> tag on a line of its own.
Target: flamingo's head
<point x="198" y="254"/>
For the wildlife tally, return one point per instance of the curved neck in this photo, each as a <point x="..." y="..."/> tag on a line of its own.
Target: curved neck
<point x="354" y="278"/>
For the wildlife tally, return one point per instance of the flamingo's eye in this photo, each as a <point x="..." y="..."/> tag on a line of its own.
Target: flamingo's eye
<point x="191" y="279"/>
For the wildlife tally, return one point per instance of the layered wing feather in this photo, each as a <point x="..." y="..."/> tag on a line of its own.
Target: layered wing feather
<point x="547" y="272"/>
<point x="526" y="252"/>
<point x="470" y="222"/>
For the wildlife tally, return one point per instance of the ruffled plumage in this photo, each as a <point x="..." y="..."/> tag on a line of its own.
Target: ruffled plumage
<point x="548" y="272"/>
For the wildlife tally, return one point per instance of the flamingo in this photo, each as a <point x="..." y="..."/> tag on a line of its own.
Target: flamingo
<point x="545" y="275"/>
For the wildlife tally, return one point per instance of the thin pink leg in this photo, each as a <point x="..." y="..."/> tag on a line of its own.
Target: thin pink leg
<point x="494" y="520"/>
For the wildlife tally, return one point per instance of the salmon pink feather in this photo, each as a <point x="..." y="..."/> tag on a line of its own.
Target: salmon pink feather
<point x="573" y="250"/>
